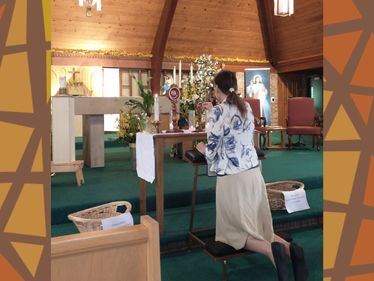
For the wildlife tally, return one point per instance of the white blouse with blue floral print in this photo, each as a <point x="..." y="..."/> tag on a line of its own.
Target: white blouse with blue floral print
<point x="230" y="147"/>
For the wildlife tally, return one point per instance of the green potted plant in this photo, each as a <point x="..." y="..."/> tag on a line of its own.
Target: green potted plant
<point x="130" y="123"/>
<point x="148" y="100"/>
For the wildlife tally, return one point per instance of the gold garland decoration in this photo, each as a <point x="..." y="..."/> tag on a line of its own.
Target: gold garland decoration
<point x="116" y="53"/>
<point x="219" y="59"/>
<point x="113" y="53"/>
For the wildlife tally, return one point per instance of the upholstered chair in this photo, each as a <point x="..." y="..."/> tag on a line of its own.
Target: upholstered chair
<point x="260" y="121"/>
<point x="302" y="119"/>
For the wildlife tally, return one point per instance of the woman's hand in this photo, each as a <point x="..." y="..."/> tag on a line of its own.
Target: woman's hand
<point x="207" y="105"/>
<point x="201" y="147"/>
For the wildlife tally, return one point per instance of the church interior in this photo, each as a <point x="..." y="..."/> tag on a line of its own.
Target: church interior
<point x="109" y="56"/>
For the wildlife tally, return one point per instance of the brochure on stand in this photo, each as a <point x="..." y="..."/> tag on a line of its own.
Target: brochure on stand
<point x="295" y="200"/>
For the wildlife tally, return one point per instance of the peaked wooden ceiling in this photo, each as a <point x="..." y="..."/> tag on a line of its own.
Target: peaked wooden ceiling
<point x="223" y="28"/>
<point x="243" y="29"/>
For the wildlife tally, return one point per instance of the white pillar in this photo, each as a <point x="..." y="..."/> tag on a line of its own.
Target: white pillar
<point x="63" y="137"/>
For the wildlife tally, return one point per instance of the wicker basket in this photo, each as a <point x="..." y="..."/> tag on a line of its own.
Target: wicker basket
<point x="90" y="219"/>
<point x="275" y="195"/>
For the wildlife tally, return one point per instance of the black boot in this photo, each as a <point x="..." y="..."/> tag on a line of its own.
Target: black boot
<point x="280" y="259"/>
<point x="300" y="269"/>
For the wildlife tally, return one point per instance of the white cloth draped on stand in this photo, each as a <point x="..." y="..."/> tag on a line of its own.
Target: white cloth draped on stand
<point x="145" y="156"/>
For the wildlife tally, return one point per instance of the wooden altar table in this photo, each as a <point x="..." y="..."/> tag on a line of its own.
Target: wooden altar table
<point x="93" y="110"/>
<point x="160" y="142"/>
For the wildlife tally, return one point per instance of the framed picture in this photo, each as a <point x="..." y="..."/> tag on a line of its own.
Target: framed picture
<point x="257" y="86"/>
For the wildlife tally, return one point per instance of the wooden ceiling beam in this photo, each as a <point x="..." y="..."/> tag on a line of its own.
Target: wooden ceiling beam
<point x="160" y="41"/>
<point x="264" y="8"/>
<point x="301" y="63"/>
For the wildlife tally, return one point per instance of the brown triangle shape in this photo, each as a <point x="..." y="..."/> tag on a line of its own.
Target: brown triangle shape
<point x="2" y="9"/>
<point x="363" y="75"/>
<point x="364" y="105"/>
<point x="338" y="48"/>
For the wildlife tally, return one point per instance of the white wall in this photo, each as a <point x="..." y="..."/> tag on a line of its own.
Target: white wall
<point x="111" y="88"/>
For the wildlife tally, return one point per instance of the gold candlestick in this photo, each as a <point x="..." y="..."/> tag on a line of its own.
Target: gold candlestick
<point x="199" y="113"/>
<point x="156" y="124"/>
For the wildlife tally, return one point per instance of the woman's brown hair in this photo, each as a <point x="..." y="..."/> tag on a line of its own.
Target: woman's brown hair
<point x="227" y="83"/>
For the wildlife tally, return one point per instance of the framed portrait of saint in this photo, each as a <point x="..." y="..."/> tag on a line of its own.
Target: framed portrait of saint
<point x="257" y="86"/>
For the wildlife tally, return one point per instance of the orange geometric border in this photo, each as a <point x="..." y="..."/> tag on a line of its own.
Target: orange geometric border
<point x="25" y="140"/>
<point x="349" y="140"/>
<point x="349" y="122"/>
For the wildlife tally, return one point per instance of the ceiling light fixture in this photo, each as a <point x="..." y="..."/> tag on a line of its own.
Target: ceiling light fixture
<point x="89" y="4"/>
<point x="283" y="8"/>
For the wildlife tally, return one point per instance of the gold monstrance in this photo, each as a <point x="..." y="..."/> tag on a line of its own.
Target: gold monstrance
<point x="174" y="94"/>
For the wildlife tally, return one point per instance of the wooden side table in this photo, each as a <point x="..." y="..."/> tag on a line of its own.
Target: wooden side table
<point x="269" y="130"/>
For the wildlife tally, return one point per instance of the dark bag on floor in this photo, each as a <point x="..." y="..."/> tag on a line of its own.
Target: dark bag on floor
<point x="195" y="156"/>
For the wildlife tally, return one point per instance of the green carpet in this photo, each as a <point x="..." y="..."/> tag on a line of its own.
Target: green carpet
<point x="197" y="266"/>
<point x="116" y="181"/>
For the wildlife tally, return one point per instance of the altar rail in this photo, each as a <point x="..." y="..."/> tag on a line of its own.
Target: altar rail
<point x="127" y="253"/>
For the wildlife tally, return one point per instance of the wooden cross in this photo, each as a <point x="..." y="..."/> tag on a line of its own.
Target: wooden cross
<point x="74" y="72"/>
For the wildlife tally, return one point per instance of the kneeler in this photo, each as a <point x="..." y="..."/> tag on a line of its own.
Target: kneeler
<point x="217" y="251"/>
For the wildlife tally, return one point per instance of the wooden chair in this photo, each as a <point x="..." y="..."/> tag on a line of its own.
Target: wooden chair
<point x="302" y="119"/>
<point x="260" y="121"/>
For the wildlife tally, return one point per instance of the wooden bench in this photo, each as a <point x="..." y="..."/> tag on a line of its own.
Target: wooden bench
<point x="125" y="253"/>
<point x="75" y="166"/>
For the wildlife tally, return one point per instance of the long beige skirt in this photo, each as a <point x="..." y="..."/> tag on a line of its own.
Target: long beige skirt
<point x="242" y="209"/>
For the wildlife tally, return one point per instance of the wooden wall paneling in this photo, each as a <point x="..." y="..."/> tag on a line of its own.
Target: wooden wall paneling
<point x="294" y="84"/>
<point x="300" y="36"/>
<point x="221" y="28"/>
<point x="160" y="40"/>
<point x="282" y="102"/>
<point x="302" y="63"/>
<point x="267" y="29"/>
<point x="121" y="25"/>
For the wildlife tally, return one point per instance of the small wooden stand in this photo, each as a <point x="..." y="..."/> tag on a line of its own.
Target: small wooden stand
<point x="75" y="166"/>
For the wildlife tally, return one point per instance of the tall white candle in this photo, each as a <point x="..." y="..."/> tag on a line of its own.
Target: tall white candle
<point x="180" y="74"/>
<point x="157" y="108"/>
<point x="174" y="75"/>
<point x="62" y="82"/>
<point x="191" y="71"/>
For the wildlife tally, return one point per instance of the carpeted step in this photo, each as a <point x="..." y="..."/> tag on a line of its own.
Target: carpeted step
<point x="177" y="219"/>
<point x="118" y="182"/>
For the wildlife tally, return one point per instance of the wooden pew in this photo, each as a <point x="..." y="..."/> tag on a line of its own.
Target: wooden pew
<point x="126" y="253"/>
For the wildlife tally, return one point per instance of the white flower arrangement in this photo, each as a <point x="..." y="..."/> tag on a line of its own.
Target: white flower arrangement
<point x="206" y="69"/>
<point x="197" y="88"/>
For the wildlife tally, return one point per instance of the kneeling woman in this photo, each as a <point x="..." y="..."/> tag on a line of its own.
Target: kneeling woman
<point x="243" y="218"/>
